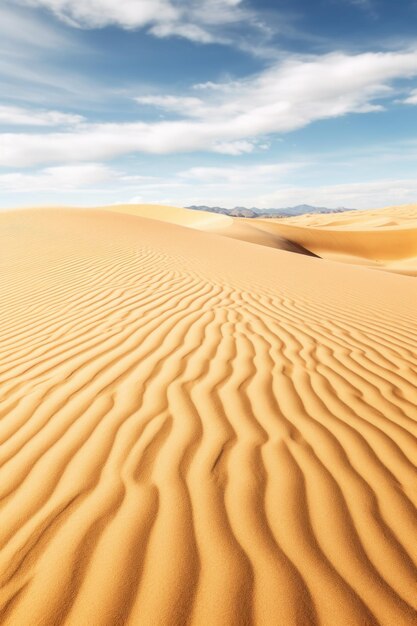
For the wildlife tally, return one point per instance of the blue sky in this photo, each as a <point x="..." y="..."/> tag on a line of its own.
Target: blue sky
<point x="262" y="103"/>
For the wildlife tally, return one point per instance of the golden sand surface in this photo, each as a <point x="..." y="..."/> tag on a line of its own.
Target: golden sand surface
<point x="235" y="228"/>
<point x="201" y="220"/>
<point x="197" y="430"/>
<point x="381" y="238"/>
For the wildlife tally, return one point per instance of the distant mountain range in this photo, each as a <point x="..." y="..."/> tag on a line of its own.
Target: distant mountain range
<point x="253" y="212"/>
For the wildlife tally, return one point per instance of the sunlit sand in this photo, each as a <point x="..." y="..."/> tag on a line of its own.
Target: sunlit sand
<point x="207" y="429"/>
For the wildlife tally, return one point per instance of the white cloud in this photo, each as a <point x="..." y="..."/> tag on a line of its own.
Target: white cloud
<point x="19" y="29"/>
<point x="252" y="175"/>
<point x="266" y="185"/>
<point x="184" y="105"/>
<point x="18" y="116"/>
<point x="65" y="177"/>
<point x="372" y="194"/>
<point x="234" y="148"/>
<point x="232" y="117"/>
<point x="412" y="98"/>
<point x="31" y="53"/>
<point x="99" y="13"/>
<point x="193" y="32"/>
<point x="190" y="19"/>
<point x="364" y="195"/>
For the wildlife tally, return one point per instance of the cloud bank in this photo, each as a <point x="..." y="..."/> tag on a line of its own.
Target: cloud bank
<point x="412" y="98"/>
<point x="229" y="118"/>
<point x="19" y="116"/>
<point x="64" y="177"/>
<point x="191" y="19"/>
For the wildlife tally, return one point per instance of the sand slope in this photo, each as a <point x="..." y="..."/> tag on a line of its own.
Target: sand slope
<point x="197" y="430"/>
<point x="174" y="215"/>
<point x="244" y="230"/>
<point x="382" y="238"/>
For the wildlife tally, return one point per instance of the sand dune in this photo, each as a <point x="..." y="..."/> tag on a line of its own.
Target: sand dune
<point x="174" y="215"/>
<point x="382" y="239"/>
<point x="385" y="217"/>
<point x="244" y="230"/>
<point x="197" y="430"/>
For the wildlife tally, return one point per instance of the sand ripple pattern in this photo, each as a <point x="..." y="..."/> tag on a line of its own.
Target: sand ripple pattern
<point x="200" y="431"/>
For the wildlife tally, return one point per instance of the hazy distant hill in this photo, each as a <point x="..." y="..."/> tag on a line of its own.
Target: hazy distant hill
<point x="253" y="212"/>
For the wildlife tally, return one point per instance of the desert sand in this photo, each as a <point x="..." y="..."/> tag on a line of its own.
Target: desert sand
<point x="201" y="220"/>
<point x="381" y="239"/>
<point x="201" y="430"/>
<point x="235" y="228"/>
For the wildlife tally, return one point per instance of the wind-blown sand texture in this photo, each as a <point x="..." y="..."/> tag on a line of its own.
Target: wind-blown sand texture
<point x="381" y="238"/>
<point x="198" y="430"/>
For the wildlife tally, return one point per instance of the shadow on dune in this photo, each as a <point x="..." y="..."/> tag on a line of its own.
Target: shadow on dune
<point x="291" y="246"/>
<point x="252" y="234"/>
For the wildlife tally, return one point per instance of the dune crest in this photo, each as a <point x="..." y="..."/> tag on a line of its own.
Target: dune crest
<point x="174" y="215"/>
<point x="381" y="239"/>
<point x="196" y="430"/>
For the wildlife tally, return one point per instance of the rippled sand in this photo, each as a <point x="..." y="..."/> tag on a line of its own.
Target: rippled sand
<point x="199" y="430"/>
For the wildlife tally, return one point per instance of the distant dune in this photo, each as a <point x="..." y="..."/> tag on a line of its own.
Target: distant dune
<point x="245" y="230"/>
<point x="382" y="238"/>
<point x="200" y="430"/>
